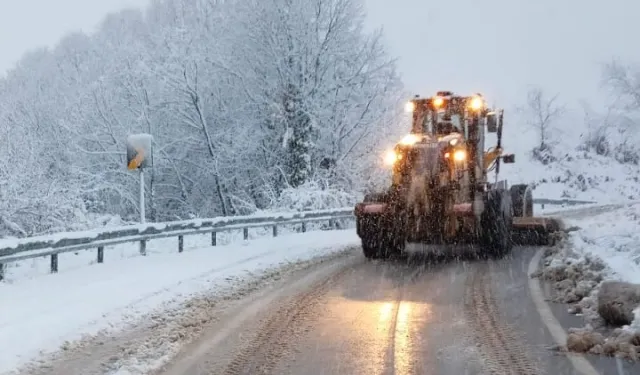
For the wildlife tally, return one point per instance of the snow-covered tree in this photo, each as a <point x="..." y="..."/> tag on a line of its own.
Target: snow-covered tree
<point x="325" y="87"/>
<point x="248" y="101"/>
<point x="621" y="123"/>
<point x="542" y="114"/>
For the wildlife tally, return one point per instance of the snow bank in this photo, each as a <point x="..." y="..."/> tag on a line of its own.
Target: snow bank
<point x="579" y="175"/>
<point x="614" y="237"/>
<point x="605" y="247"/>
<point x="42" y="312"/>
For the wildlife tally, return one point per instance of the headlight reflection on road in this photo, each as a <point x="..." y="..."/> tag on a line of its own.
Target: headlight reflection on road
<point x="403" y="348"/>
<point x="383" y="332"/>
<point x="386" y="308"/>
<point x="395" y="319"/>
<point x="400" y="321"/>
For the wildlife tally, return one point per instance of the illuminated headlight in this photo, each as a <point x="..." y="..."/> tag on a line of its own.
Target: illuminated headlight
<point x="438" y="101"/>
<point x="477" y="103"/>
<point x="391" y="157"/>
<point x="410" y="139"/>
<point x="460" y="155"/>
<point x="410" y="107"/>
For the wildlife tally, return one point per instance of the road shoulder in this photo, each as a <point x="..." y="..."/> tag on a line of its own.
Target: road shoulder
<point x="558" y="321"/>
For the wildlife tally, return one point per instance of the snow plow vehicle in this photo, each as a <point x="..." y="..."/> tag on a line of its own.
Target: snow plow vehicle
<point x="440" y="193"/>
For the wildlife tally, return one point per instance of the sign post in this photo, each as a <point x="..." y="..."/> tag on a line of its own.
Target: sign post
<point x="138" y="158"/>
<point x="143" y="216"/>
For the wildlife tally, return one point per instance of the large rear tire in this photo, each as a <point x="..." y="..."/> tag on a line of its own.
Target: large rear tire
<point x="383" y="244"/>
<point x="370" y="240"/>
<point x="369" y="250"/>
<point x="497" y="223"/>
<point x="382" y="235"/>
<point x="392" y="245"/>
<point x="383" y="240"/>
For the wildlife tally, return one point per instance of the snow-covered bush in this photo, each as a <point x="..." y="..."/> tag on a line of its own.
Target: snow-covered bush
<point x="312" y="196"/>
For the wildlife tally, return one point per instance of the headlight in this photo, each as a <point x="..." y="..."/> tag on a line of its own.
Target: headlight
<point x="460" y="155"/>
<point x="391" y="157"/>
<point x="410" y="107"/>
<point x="410" y="139"/>
<point x="477" y="103"/>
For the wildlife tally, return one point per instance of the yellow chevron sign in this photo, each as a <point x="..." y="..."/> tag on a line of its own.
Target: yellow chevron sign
<point x="137" y="160"/>
<point x="139" y="153"/>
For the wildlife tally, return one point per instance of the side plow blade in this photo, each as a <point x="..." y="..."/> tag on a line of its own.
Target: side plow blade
<point x="536" y="231"/>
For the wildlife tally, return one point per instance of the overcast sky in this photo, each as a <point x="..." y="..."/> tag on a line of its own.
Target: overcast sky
<point x="27" y="24"/>
<point x="501" y="46"/>
<point x="493" y="46"/>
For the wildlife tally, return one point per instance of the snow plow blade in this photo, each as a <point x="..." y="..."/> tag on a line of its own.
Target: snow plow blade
<point x="536" y="231"/>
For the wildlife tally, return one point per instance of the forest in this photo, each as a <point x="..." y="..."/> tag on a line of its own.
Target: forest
<point x="252" y="105"/>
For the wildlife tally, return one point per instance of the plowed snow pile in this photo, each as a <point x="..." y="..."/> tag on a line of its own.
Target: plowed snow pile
<point x="596" y="270"/>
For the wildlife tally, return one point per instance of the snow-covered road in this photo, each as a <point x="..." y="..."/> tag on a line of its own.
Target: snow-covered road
<point x="40" y="312"/>
<point x="43" y="312"/>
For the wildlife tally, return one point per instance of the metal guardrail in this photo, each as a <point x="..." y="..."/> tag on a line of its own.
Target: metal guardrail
<point x="557" y="202"/>
<point x="52" y="245"/>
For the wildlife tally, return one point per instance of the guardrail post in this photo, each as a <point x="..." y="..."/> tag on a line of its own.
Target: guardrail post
<point x="180" y="244"/>
<point x="143" y="247"/>
<point x="54" y="263"/>
<point x="245" y="233"/>
<point x="214" y="238"/>
<point x="275" y="231"/>
<point x="100" y="254"/>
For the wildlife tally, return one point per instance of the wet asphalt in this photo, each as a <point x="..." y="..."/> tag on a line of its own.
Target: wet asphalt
<point x="420" y="315"/>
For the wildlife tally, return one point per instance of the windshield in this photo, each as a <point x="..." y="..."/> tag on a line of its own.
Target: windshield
<point x="443" y="125"/>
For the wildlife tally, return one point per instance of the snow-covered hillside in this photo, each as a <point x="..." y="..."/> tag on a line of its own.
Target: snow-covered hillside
<point x="579" y="175"/>
<point x="591" y="154"/>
